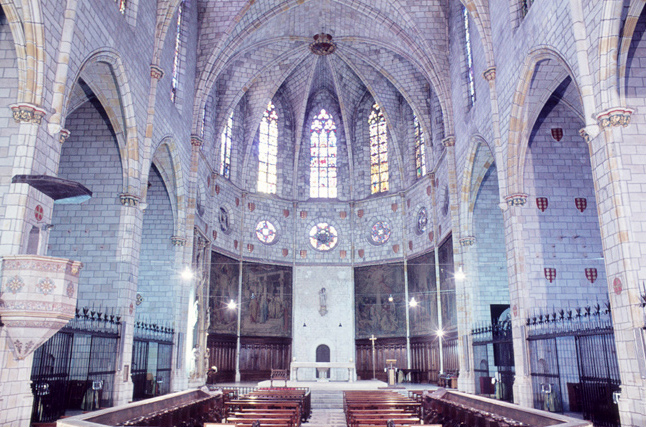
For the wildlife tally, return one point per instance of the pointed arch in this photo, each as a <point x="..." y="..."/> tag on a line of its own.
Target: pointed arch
<point x="167" y="159"/>
<point x="28" y="36"/>
<point x="478" y="161"/>
<point x="634" y="12"/>
<point x="115" y="96"/>
<point x="526" y="107"/>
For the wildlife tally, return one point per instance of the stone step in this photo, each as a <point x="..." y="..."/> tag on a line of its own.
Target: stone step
<point x="327" y="400"/>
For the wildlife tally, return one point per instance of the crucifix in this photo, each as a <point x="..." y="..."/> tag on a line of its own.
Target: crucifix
<point x="373" y="338"/>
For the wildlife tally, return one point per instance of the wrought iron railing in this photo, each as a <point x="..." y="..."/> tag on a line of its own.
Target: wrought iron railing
<point x="589" y="319"/>
<point x="493" y="332"/>
<point x="146" y="331"/>
<point x="92" y="320"/>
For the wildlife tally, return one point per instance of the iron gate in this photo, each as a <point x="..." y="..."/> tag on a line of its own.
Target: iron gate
<point x="573" y="363"/>
<point x="493" y="353"/>
<point x="151" y="360"/>
<point x="75" y="368"/>
<point x="50" y="378"/>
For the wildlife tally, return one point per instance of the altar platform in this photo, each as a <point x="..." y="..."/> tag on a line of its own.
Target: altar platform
<point x="331" y="385"/>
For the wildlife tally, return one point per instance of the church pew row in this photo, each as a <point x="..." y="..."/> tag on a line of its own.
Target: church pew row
<point x="380" y="408"/>
<point x="273" y="408"/>
<point x="302" y="395"/>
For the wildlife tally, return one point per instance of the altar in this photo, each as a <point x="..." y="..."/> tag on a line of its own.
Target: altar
<point x="324" y="369"/>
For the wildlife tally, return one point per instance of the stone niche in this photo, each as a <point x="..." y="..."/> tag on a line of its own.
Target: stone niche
<point x="331" y="324"/>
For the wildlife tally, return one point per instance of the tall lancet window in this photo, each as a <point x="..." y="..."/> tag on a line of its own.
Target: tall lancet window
<point x="122" y="6"/>
<point x="225" y="148"/>
<point x="323" y="156"/>
<point x="378" y="150"/>
<point x="268" y="150"/>
<point x="471" y="85"/>
<point x="420" y="149"/>
<point x="176" y="58"/>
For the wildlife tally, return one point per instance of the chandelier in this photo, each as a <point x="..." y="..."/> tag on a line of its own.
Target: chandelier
<point x="322" y="45"/>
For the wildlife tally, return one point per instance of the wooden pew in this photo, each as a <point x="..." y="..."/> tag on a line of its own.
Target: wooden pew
<point x="380" y="408"/>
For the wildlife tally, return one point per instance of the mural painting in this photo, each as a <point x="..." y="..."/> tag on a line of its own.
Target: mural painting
<point x="421" y="286"/>
<point x="376" y="312"/>
<point x="223" y="288"/>
<point x="266" y="300"/>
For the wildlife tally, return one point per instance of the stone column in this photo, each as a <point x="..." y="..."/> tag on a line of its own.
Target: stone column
<point x="20" y="197"/>
<point x="623" y="260"/>
<point x="179" y="378"/>
<point x="468" y="384"/>
<point x="463" y="304"/>
<point x="130" y="227"/>
<point x="518" y="294"/>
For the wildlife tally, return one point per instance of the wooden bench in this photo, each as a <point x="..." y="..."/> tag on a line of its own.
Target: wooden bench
<point x="380" y="408"/>
<point x="279" y="375"/>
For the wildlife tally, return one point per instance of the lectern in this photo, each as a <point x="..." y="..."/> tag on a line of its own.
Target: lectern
<point x="391" y="371"/>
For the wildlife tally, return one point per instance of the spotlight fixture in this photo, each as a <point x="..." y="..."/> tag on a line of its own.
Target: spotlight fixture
<point x="439" y="333"/>
<point x="390" y="298"/>
<point x="232" y="305"/>
<point x="187" y="274"/>
<point x="459" y="275"/>
<point x="413" y="302"/>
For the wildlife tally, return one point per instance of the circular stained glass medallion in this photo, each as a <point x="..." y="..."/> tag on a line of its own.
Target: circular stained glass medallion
<point x="266" y="232"/>
<point x="422" y="220"/>
<point x="323" y="236"/>
<point x="380" y="232"/>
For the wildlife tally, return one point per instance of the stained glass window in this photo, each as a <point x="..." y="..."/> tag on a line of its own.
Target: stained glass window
<point x="225" y="148"/>
<point x="378" y="150"/>
<point x="323" y="236"/>
<point x="122" y="6"/>
<point x="380" y="232"/>
<point x="268" y="150"/>
<point x="422" y="220"/>
<point x="471" y="86"/>
<point x="266" y="232"/>
<point x="323" y="156"/>
<point x="525" y="5"/>
<point x="176" y="58"/>
<point x="420" y="149"/>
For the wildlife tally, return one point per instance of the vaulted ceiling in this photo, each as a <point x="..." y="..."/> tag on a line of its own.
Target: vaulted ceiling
<point x="392" y="49"/>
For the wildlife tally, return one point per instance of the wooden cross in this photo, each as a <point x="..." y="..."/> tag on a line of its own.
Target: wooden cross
<point x="373" y="338"/>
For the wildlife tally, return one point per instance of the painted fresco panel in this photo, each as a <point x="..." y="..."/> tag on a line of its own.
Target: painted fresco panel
<point x="223" y="288"/>
<point x="421" y="286"/>
<point x="266" y="300"/>
<point x="374" y="313"/>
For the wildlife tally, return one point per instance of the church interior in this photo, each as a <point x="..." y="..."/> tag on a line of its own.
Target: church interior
<point x="203" y="191"/>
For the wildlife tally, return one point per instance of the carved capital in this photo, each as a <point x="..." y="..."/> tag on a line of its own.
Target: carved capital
<point x="468" y="241"/>
<point x="613" y="117"/>
<point x="196" y="141"/>
<point x="178" y="240"/>
<point x="63" y="135"/>
<point x="156" y="72"/>
<point x="449" y="141"/>
<point x="585" y="135"/>
<point x="128" y="199"/>
<point x="489" y="74"/>
<point x="27" y="113"/>
<point x="519" y="199"/>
